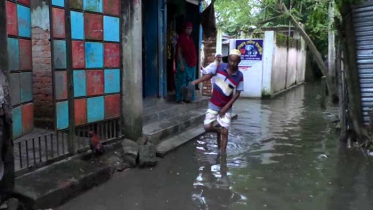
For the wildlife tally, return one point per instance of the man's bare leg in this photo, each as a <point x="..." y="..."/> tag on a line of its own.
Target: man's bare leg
<point x="224" y="140"/>
<point x="211" y="128"/>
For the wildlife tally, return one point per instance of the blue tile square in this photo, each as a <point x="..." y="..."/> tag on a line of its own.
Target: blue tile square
<point x="24" y="21"/>
<point x="15" y="88"/>
<point x="79" y="83"/>
<point x="77" y="25"/>
<point x="112" y="81"/>
<point x="95" y="109"/>
<point x="62" y="110"/>
<point x="13" y="53"/>
<point x="60" y="3"/>
<point x="111" y="29"/>
<point x="94" y="57"/>
<point x="59" y="54"/>
<point x="93" y="5"/>
<point x="26" y="87"/>
<point x="17" y="122"/>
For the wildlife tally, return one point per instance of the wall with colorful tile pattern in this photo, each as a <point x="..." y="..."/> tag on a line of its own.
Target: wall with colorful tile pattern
<point x="20" y="65"/>
<point x="94" y="64"/>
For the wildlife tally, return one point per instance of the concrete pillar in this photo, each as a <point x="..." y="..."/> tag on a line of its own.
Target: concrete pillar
<point x="132" y="100"/>
<point x="219" y="39"/>
<point x="331" y="43"/>
<point x="268" y="54"/>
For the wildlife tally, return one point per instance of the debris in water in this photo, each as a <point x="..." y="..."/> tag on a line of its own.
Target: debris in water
<point x="265" y="189"/>
<point x="370" y="153"/>
<point x="322" y="156"/>
<point x="259" y="177"/>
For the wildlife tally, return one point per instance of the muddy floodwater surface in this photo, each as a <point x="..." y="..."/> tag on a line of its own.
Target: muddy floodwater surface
<point x="283" y="153"/>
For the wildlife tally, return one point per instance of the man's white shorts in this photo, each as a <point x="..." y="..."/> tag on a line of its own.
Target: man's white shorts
<point x="212" y="115"/>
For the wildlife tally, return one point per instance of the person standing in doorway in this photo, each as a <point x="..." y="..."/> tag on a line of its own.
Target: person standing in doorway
<point x="186" y="57"/>
<point x="227" y="88"/>
<point x="212" y="67"/>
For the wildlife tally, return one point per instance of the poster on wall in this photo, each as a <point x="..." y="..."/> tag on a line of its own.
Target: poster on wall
<point x="251" y="52"/>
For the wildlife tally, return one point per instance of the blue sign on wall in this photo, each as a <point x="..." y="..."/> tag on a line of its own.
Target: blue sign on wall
<point x="251" y="52"/>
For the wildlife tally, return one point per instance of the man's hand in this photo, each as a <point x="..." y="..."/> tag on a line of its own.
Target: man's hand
<point x="222" y="112"/>
<point x="182" y="68"/>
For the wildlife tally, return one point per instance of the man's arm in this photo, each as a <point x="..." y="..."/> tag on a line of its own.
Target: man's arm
<point x="205" y="77"/>
<point x="209" y="69"/>
<point x="229" y="104"/>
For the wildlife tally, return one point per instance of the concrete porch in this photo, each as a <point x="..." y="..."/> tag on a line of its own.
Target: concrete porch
<point x="164" y="119"/>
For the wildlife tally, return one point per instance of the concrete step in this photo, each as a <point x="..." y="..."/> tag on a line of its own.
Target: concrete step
<point x="158" y="131"/>
<point x="178" y="140"/>
<point x="53" y="185"/>
<point x="163" y="111"/>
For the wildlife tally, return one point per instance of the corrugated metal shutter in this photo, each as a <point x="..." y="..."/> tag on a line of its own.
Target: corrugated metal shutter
<point x="363" y="23"/>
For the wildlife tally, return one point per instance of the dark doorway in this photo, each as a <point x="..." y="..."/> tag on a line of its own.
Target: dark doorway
<point x="150" y="48"/>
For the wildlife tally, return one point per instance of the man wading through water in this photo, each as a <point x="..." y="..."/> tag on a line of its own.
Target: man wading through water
<point x="227" y="88"/>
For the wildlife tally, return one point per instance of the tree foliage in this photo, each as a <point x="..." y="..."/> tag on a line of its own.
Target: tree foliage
<point x="234" y="16"/>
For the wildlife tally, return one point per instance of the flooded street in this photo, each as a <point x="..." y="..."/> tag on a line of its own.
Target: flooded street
<point x="283" y="153"/>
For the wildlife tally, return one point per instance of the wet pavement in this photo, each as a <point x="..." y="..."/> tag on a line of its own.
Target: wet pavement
<point x="283" y="154"/>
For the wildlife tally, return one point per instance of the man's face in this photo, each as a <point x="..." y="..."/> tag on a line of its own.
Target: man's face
<point x="188" y="31"/>
<point x="233" y="61"/>
<point x="219" y="58"/>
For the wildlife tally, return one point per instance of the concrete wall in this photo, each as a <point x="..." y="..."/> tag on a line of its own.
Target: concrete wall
<point x="302" y="58"/>
<point x="279" y="69"/>
<point x="289" y="67"/>
<point x="292" y="67"/>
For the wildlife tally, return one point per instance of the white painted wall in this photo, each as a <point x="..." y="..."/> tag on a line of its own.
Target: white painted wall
<point x="279" y="69"/>
<point x="292" y="67"/>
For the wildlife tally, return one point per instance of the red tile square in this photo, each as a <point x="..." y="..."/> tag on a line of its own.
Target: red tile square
<point x="11" y="17"/>
<point x="78" y="54"/>
<point x="25" y="56"/>
<point x="95" y="82"/>
<point x="93" y="26"/>
<point x="27" y="118"/>
<point x="60" y="85"/>
<point x="112" y="55"/>
<point x="112" y="7"/>
<point x="58" y="17"/>
<point x="80" y="111"/>
<point x="26" y="2"/>
<point x="112" y="106"/>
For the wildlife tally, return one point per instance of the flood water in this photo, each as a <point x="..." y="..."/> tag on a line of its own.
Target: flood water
<point x="283" y="153"/>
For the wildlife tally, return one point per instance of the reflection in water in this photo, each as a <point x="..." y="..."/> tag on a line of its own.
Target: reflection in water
<point x="212" y="188"/>
<point x="283" y="154"/>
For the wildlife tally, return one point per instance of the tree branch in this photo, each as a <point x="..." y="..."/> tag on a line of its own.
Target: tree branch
<point x="269" y="20"/>
<point x="316" y="53"/>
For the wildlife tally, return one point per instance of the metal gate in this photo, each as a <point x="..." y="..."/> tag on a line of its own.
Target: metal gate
<point x="363" y="24"/>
